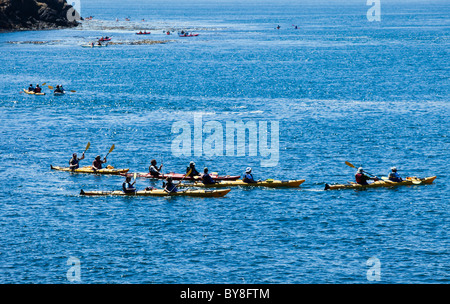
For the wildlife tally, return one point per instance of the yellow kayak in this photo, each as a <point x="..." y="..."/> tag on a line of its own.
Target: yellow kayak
<point x="267" y="183"/>
<point x="88" y="169"/>
<point x="384" y="183"/>
<point x="32" y="93"/>
<point x="160" y="192"/>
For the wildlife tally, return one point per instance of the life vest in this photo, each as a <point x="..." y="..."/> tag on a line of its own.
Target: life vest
<point x="361" y="178"/>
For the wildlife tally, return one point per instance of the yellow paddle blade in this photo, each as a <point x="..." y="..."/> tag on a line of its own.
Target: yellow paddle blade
<point x="215" y="173"/>
<point x="112" y="148"/>
<point x="135" y="175"/>
<point x="187" y="174"/>
<point x="87" y="146"/>
<point x="44" y="83"/>
<point x="349" y="164"/>
<point x="50" y="87"/>
<point x="73" y="91"/>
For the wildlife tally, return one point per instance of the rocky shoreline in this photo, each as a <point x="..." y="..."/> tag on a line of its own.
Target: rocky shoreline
<point x="21" y="15"/>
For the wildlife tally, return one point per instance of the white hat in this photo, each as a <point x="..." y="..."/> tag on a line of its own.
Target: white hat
<point x="394" y="169"/>
<point x="248" y="170"/>
<point x="360" y="170"/>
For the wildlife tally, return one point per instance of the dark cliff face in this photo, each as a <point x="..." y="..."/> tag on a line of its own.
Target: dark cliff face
<point x="35" y="15"/>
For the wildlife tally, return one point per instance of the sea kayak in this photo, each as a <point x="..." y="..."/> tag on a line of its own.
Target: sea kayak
<point x="144" y="33"/>
<point x="89" y="169"/>
<point x="59" y="93"/>
<point x="267" y="183"/>
<point x="188" y="35"/>
<point x="383" y="183"/>
<point x="33" y="93"/>
<point x="92" y="46"/>
<point x="180" y="176"/>
<point x="104" y="39"/>
<point x="160" y="192"/>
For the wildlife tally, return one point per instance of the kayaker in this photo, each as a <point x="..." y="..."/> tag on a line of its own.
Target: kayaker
<point x="58" y="89"/>
<point x="169" y="185"/>
<point x="394" y="176"/>
<point x="97" y="163"/>
<point x="74" y="162"/>
<point x="248" y="177"/>
<point x="61" y="88"/>
<point x="206" y="178"/>
<point x="278" y="27"/>
<point x="128" y="186"/>
<point x="194" y="171"/>
<point x="362" y="178"/>
<point x="31" y="88"/>
<point x="153" y="169"/>
<point x="37" y="89"/>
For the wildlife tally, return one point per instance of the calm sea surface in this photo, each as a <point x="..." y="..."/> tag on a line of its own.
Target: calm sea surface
<point x="341" y="88"/>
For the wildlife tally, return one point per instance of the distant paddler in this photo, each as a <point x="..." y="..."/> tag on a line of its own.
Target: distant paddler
<point x="37" y="89"/>
<point x="394" y="176"/>
<point x="153" y="169"/>
<point x="98" y="162"/>
<point x="191" y="171"/>
<point x="58" y="89"/>
<point x="248" y="176"/>
<point x="206" y="178"/>
<point x="169" y="186"/>
<point x="74" y="162"/>
<point x="362" y="177"/>
<point x="128" y="186"/>
<point x="31" y="88"/>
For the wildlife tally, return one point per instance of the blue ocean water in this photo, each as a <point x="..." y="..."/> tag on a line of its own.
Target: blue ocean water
<point x="341" y="88"/>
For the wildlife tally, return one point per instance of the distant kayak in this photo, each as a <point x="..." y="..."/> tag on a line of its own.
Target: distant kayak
<point x="89" y="169"/>
<point x="143" y="33"/>
<point x="105" y="39"/>
<point x="33" y="93"/>
<point x="240" y="183"/>
<point x="187" y="35"/>
<point x="160" y="192"/>
<point x="59" y="93"/>
<point x="384" y="183"/>
<point x="92" y="46"/>
<point x="180" y="176"/>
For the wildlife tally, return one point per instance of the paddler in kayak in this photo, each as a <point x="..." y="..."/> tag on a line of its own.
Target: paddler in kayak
<point x="153" y="169"/>
<point x="74" y="162"/>
<point x="128" y="186"/>
<point x="37" y="89"/>
<point x="58" y="89"/>
<point x="248" y="176"/>
<point x="206" y="178"/>
<point x="169" y="185"/>
<point x="394" y="176"/>
<point x="361" y="177"/>
<point x="97" y="163"/>
<point x="31" y="88"/>
<point x="194" y="171"/>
